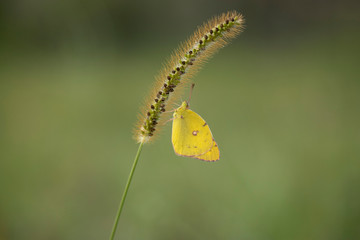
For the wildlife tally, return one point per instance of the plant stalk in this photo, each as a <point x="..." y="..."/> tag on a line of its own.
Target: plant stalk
<point x="125" y="191"/>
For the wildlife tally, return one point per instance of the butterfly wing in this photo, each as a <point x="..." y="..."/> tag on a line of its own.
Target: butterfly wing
<point x="191" y="136"/>
<point x="212" y="155"/>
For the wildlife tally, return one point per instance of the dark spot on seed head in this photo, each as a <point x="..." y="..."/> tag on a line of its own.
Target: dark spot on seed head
<point x="163" y="109"/>
<point x="183" y="62"/>
<point x="216" y="29"/>
<point x="200" y="41"/>
<point x="165" y="85"/>
<point x="206" y="37"/>
<point x="190" y="52"/>
<point x="173" y="71"/>
<point x="148" y="113"/>
<point x="227" y="21"/>
<point x="211" y="31"/>
<point x="232" y="19"/>
<point x="152" y="106"/>
<point x="177" y="69"/>
<point x="221" y="25"/>
<point x="168" y="77"/>
<point x="160" y="92"/>
<point x="156" y="100"/>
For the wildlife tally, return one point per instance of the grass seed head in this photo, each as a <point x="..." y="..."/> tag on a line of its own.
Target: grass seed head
<point x="182" y="65"/>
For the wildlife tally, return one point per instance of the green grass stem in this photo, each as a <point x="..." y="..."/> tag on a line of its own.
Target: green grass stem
<point x="121" y="205"/>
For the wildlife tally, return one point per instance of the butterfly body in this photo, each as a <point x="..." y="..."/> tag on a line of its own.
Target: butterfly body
<point x="191" y="136"/>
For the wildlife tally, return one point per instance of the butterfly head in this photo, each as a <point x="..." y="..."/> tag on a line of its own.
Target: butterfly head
<point x="184" y="106"/>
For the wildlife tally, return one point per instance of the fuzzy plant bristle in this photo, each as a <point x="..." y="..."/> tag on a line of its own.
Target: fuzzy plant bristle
<point x="183" y="64"/>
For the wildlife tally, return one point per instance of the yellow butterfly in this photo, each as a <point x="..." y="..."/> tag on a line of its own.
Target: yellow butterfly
<point x="191" y="136"/>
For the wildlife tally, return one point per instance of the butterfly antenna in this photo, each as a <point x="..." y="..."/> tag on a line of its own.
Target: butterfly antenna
<point x="191" y="90"/>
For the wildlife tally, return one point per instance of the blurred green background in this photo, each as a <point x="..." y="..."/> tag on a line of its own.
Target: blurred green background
<point x="282" y="101"/>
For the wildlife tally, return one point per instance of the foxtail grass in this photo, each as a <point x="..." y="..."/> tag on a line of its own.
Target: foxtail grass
<point x="178" y="70"/>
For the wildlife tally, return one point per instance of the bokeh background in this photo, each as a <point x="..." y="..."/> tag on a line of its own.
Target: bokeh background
<point x="282" y="101"/>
